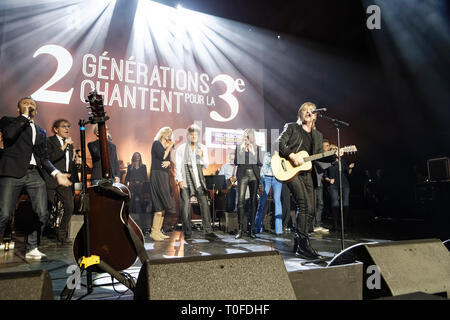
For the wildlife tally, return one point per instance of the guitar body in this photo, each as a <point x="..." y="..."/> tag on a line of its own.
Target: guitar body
<point x="284" y="170"/>
<point x="109" y="235"/>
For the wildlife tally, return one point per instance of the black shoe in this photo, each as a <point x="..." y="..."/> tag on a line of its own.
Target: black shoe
<point x="187" y="237"/>
<point x="62" y="238"/>
<point x="296" y="241"/>
<point x="305" y="251"/>
<point x="211" y="235"/>
<point x="251" y="235"/>
<point x="238" y="235"/>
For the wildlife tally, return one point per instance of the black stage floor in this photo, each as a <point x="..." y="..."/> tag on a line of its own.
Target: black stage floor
<point x="59" y="257"/>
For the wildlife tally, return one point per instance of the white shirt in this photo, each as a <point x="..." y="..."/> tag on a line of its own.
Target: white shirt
<point x="227" y="170"/>
<point x="67" y="156"/>
<point x="180" y="171"/>
<point x="33" y="140"/>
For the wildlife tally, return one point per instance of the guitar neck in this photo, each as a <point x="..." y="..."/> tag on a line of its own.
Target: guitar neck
<point x="104" y="153"/>
<point x="319" y="155"/>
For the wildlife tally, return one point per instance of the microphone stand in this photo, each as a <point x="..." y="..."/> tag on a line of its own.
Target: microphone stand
<point x="338" y="124"/>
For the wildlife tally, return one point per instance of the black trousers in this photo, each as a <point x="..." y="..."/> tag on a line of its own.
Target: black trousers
<point x="302" y="189"/>
<point x="10" y="189"/>
<point x="248" y="180"/>
<point x="185" y="207"/>
<point x="65" y="194"/>
<point x="286" y="204"/>
<point x="137" y="202"/>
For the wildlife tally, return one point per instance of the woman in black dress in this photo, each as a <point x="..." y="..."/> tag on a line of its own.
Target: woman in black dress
<point x="248" y="174"/>
<point x="160" y="190"/>
<point x="135" y="178"/>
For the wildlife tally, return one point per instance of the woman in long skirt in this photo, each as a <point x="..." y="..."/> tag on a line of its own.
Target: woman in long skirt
<point x="160" y="190"/>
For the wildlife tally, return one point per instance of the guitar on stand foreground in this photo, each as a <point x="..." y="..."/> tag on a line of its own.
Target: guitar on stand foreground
<point x="109" y="240"/>
<point x="284" y="170"/>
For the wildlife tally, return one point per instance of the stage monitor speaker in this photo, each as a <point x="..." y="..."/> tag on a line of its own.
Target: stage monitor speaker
<point x="402" y="267"/>
<point x="241" y="276"/>
<point x="26" y="285"/>
<point x="438" y="169"/>
<point x="331" y="283"/>
<point x="447" y="244"/>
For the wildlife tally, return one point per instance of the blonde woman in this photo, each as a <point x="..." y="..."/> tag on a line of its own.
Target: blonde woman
<point x="248" y="174"/>
<point x="161" y="194"/>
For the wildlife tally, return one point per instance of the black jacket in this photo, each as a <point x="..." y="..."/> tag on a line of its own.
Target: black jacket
<point x="94" y="150"/>
<point x="18" y="147"/>
<point x="57" y="157"/>
<point x="290" y="141"/>
<point x="254" y="160"/>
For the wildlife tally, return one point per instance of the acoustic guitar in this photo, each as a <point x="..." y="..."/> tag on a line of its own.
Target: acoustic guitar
<point x="109" y="218"/>
<point x="284" y="170"/>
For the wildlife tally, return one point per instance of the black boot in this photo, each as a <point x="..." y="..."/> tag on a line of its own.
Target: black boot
<point x="304" y="250"/>
<point x="296" y="240"/>
<point x="62" y="238"/>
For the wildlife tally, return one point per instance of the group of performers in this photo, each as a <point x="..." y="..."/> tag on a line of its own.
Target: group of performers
<point x="45" y="168"/>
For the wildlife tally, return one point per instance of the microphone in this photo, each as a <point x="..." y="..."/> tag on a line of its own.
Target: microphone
<point x="319" y="110"/>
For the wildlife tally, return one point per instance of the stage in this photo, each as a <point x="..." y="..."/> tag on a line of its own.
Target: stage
<point x="60" y="257"/>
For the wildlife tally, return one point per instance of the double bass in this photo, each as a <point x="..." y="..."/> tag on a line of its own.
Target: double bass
<point x="110" y="224"/>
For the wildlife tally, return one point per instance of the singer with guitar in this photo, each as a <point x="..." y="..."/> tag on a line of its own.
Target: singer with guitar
<point x="302" y="136"/>
<point x="61" y="154"/>
<point x="23" y="159"/>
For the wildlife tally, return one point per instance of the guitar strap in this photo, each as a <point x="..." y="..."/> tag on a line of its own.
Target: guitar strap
<point x="138" y="245"/>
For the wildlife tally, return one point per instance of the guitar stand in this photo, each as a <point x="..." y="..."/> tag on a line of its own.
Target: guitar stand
<point x="89" y="261"/>
<point x="338" y="124"/>
<point x="93" y="260"/>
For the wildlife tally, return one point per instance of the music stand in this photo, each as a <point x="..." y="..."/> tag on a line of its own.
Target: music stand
<point x="214" y="182"/>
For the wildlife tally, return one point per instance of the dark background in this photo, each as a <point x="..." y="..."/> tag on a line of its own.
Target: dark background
<point x="391" y="85"/>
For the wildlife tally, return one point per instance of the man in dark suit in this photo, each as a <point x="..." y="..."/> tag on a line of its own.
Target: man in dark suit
<point x="94" y="150"/>
<point x="61" y="154"/>
<point x="23" y="160"/>
<point x="302" y="136"/>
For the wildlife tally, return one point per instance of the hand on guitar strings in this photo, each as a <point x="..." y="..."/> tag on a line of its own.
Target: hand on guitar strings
<point x="296" y="159"/>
